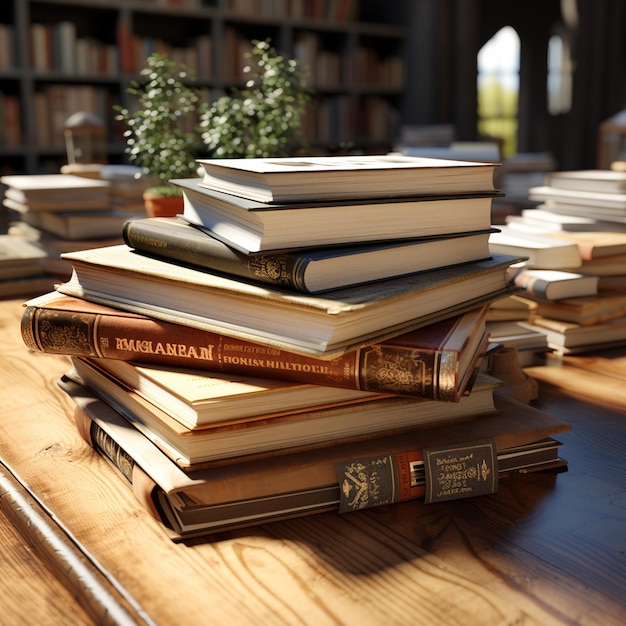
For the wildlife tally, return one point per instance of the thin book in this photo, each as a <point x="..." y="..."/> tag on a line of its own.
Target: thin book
<point x="339" y="321"/>
<point x="345" y="177"/>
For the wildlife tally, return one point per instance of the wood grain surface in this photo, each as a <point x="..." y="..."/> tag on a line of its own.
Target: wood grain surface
<point x="546" y="549"/>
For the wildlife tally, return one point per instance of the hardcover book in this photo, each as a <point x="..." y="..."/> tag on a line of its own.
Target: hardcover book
<point x="589" y="200"/>
<point x="342" y="320"/>
<point x="544" y="219"/>
<point x="252" y="226"/>
<point x="436" y="361"/>
<point x="345" y="177"/>
<point x="605" y="181"/>
<point x="586" y="310"/>
<point x="246" y="493"/>
<point x="594" y="245"/>
<point x="310" y="270"/>
<point x="265" y="435"/>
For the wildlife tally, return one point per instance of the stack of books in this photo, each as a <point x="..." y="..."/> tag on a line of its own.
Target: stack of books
<point x="581" y="301"/>
<point x="21" y="268"/>
<point x="61" y="213"/>
<point x="270" y="354"/>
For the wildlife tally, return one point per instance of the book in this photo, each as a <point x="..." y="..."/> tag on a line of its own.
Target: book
<point x="436" y="361"/>
<point x="570" y="338"/>
<point x="593" y="203"/>
<point x="605" y="181"/>
<point x="251" y="226"/>
<point x="511" y="308"/>
<point x="543" y="219"/>
<point x="594" y="245"/>
<point x="78" y="225"/>
<point x="290" y="179"/>
<point x="19" y="258"/>
<point x="540" y="251"/>
<point x="614" y="265"/>
<point x="555" y="284"/>
<point x="245" y="493"/>
<point x="317" y="426"/>
<point x="342" y="320"/>
<point x="54" y="192"/>
<point x="310" y="270"/>
<point x="197" y="398"/>
<point x="27" y="286"/>
<point x="586" y="310"/>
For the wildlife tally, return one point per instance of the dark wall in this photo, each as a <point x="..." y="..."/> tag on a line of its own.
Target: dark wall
<point x="446" y="36"/>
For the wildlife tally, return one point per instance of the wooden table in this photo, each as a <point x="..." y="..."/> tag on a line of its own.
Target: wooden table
<point x="546" y="549"/>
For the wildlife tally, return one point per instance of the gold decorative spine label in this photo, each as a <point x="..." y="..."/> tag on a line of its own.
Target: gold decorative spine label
<point x="461" y="471"/>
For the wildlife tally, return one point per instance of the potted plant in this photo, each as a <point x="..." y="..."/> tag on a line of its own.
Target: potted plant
<point x="162" y="135"/>
<point x="265" y="118"/>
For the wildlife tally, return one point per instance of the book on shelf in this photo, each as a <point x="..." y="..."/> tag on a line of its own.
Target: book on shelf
<point x="317" y="426"/>
<point x="289" y="179"/>
<point x="554" y="284"/>
<point x="540" y="251"/>
<point x="436" y="361"/>
<point x="543" y="219"/>
<point x="54" y="192"/>
<point x="339" y="321"/>
<point x="247" y="493"/>
<point x="19" y="258"/>
<point x="252" y="226"/>
<point x="605" y="181"/>
<point x="78" y="225"/>
<point x="585" y="310"/>
<point x="570" y="338"/>
<point x="308" y="270"/>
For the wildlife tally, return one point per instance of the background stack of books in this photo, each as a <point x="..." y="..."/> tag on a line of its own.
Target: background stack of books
<point x="576" y="272"/>
<point x="228" y="400"/>
<point x="65" y="212"/>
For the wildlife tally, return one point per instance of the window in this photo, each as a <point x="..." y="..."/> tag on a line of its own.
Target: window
<point x="559" y="75"/>
<point x="498" y="88"/>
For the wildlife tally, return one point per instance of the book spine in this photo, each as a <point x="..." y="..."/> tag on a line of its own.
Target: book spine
<point x="382" y="368"/>
<point x="142" y="485"/>
<point x="160" y="239"/>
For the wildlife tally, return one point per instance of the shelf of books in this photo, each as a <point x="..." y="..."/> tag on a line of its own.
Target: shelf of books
<point x="58" y="56"/>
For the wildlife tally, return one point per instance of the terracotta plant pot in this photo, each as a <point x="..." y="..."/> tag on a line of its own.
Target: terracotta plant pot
<point x="162" y="206"/>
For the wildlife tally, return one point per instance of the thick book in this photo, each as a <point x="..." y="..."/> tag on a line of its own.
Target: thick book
<point x="248" y="493"/>
<point x="345" y="177"/>
<point x="555" y="284"/>
<point x="264" y="434"/>
<point x="570" y="338"/>
<point x="309" y="270"/>
<point x="252" y="226"/>
<point x="342" y="320"/>
<point x="540" y="251"/>
<point x="436" y="361"/>
<point x="605" y="181"/>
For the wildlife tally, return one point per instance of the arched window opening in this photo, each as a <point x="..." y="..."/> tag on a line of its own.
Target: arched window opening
<point x="559" y="75"/>
<point x="498" y="88"/>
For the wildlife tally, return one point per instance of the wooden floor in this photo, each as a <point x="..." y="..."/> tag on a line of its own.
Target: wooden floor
<point x="546" y="549"/>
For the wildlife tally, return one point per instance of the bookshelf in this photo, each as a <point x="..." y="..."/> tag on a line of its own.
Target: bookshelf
<point x="60" y="57"/>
